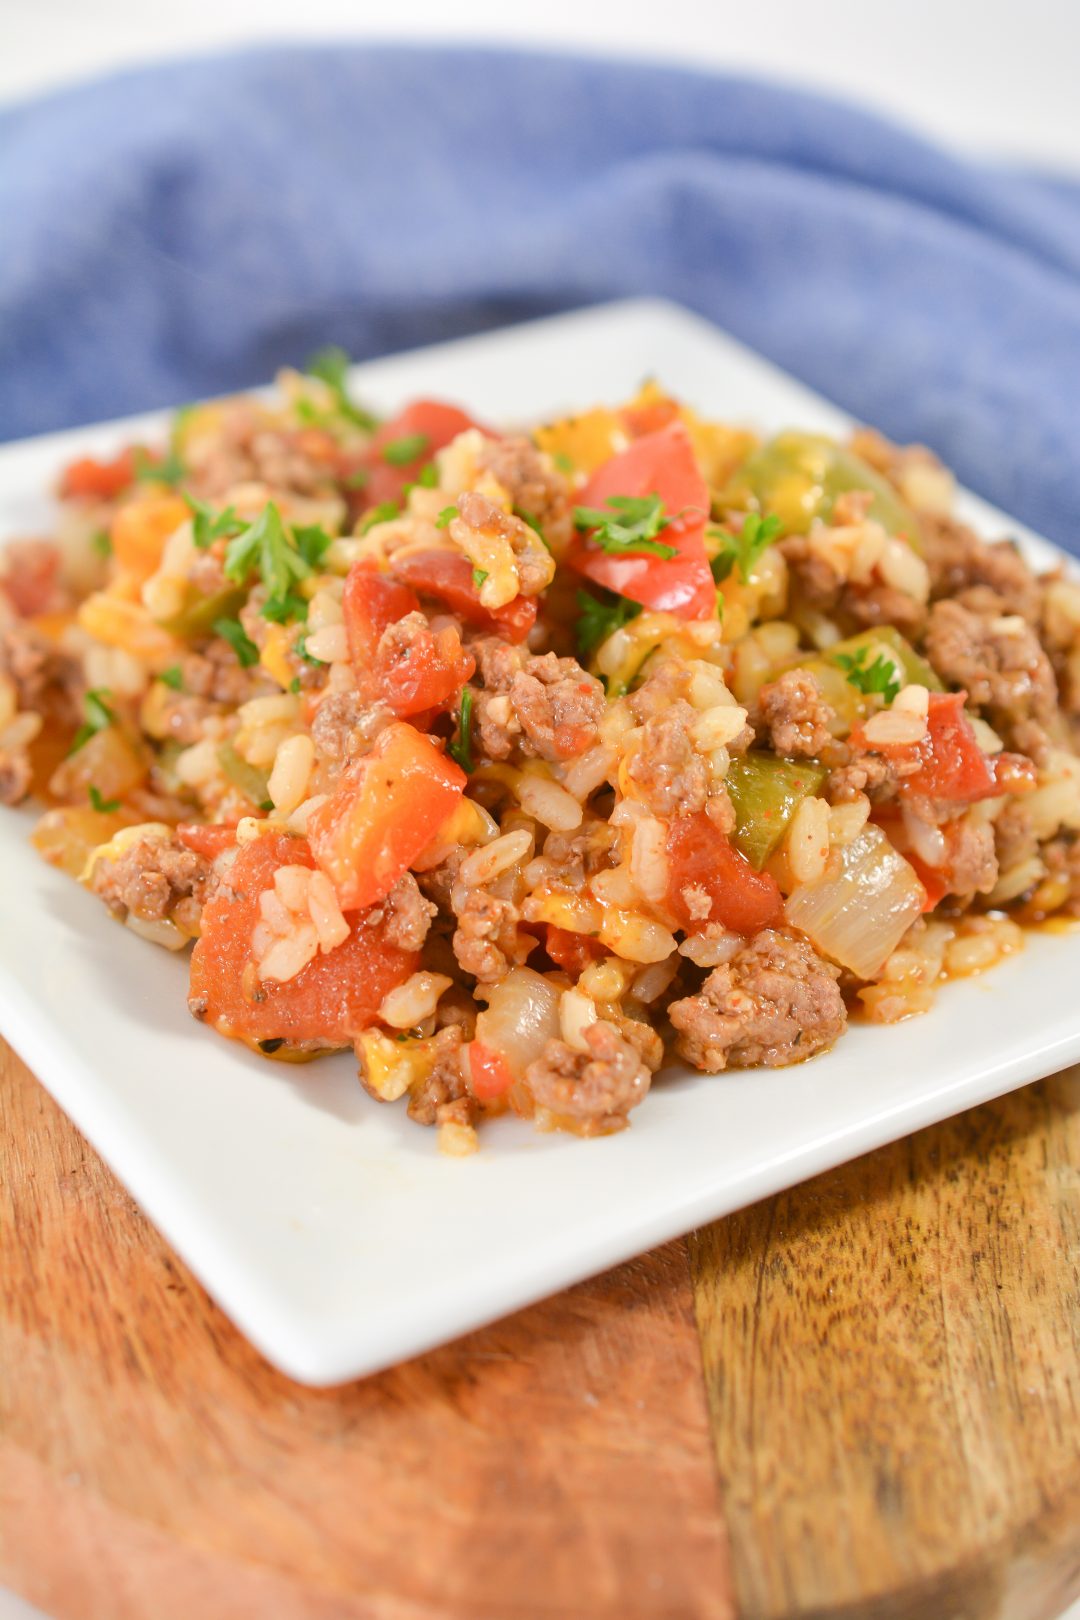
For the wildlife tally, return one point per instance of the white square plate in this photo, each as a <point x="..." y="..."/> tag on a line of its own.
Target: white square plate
<point x="327" y="1225"/>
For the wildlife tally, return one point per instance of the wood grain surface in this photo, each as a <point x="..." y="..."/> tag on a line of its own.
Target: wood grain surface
<point x="861" y="1398"/>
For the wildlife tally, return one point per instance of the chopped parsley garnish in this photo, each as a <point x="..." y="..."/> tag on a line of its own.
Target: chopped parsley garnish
<point x="879" y="677"/>
<point x="331" y="366"/>
<point x="208" y="526"/>
<point x="294" y="684"/>
<point x="98" y="717"/>
<point x="280" y="609"/>
<point x="527" y="518"/>
<point x="744" y="549"/>
<point x="446" y="517"/>
<point x="564" y="462"/>
<point x="478" y="576"/>
<point x="461" y="748"/>
<point x="631" y="526"/>
<point x="265" y="547"/>
<point x="426" y="478"/>
<point x="232" y="631"/>
<point x="380" y="514"/>
<point x="409" y="448"/>
<point x="599" y="619"/>
<point x="169" y="470"/>
<point x="104" y="806"/>
<point x="172" y="677"/>
<point x="357" y="479"/>
<point x="101" y="542"/>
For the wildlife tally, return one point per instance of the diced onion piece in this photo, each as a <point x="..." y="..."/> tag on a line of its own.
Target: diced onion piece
<point x="859" y="917"/>
<point x="522" y="1015"/>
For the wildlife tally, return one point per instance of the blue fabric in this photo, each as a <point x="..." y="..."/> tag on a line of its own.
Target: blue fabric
<point x="185" y="229"/>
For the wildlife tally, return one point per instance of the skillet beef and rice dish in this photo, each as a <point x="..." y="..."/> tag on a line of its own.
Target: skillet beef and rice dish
<point x="522" y="762"/>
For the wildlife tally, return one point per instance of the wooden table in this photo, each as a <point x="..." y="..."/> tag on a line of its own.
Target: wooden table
<point x="860" y="1398"/>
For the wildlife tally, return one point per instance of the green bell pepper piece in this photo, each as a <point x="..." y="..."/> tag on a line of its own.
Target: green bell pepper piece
<point x="766" y="792"/>
<point x="798" y="476"/>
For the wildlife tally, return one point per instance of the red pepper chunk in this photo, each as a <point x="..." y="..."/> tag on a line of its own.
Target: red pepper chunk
<point x="386" y="809"/>
<point x="332" y="999"/>
<point x="448" y="577"/>
<point x="699" y="856"/>
<point x="90" y="479"/>
<point x="661" y="463"/>
<point x="571" y="951"/>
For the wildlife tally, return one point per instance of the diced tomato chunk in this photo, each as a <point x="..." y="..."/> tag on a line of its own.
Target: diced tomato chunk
<point x="951" y="767"/>
<point x="371" y="602"/>
<point x="490" y="1075"/>
<point x="333" y="999"/>
<point x="90" y="479"/>
<point x="699" y="856"/>
<point x="206" y="840"/>
<point x="571" y="951"/>
<point x="424" y="675"/>
<point x="430" y="420"/>
<point x="32" y="576"/>
<point x="663" y="464"/>
<point x="448" y="577"/>
<point x="385" y="810"/>
<point x="651" y="418"/>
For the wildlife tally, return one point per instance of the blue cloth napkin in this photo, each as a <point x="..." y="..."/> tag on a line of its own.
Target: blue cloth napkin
<point x="185" y="229"/>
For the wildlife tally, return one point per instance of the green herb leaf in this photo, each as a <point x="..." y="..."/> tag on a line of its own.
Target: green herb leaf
<point x="169" y="470"/>
<point x="172" y="677"/>
<point x="331" y="366"/>
<point x="101" y="542"/>
<point x="313" y="543"/>
<point x="599" y="618"/>
<point x="744" y="548"/>
<point x="267" y="548"/>
<point x="400" y="452"/>
<point x="879" y="677"/>
<point x="207" y="526"/>
<point x="478" y="576"/>
<point x="300" y="648"/>
<point x="564" y="462"/>
<point x="380" y="514"/>
<point x="461" y="747"/>
<point x="232" y="631"/>
<point x="294" y="684"/>
<point x="446" y="517"/>
<point x="359" y="478"/>
<point x="98" y="717"/>
<point x="631" y="526"/>
<point x="280" y="609"/>
<point x="426" y="478"/>
<point x="100" y="804"/>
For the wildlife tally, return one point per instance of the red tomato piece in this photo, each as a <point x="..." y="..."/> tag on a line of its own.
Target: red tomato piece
<point x="641" y="419"/>
<point x="425" y="674"/>
<point x="699" y="854"/>
<point x="570" y="951"/>
<point x="951" y="765"/>
<point x="430" y="419"/>
<point x="205" y="840"/>
<point x="489" y="1072"/>
<point x="90" y="479"/>
<point x="386" y="809"/>
<point x="334" y="998"/>
<point x="448" y="577"/>
<point x="663" y="464"/>
<point x="370" y="603"/>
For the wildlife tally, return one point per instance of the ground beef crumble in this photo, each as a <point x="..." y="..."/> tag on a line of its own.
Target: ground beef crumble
<point x="668" y="772"/>
<point x="795" y="715"/>
<point x="547" y="706"/>
<point x="597" y="1088"/>
<point x="534" y="486"/>
<point x="154" y="880"/>
<point x="998" y="661"/>
<point x="774" y="1003"/>
<point x="406" y="914"/>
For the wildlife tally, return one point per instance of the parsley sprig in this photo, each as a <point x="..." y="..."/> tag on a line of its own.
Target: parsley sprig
<point x="879" y="677"/>
<point x="743" y="550"/>
<point x="599" y="618"/>
<point x="103" y="806"/>
<point x="331" y="366"/>
<point x="409" y="448"/>
<point x="98" y="717"/>
<point x="280" y="558"/>
<point x="232" y="631"/>
<point x="461" y="747"/>
<point x="168" y="469"/>
<point x="630" y="526"/>
<point x="208" y="525"/>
